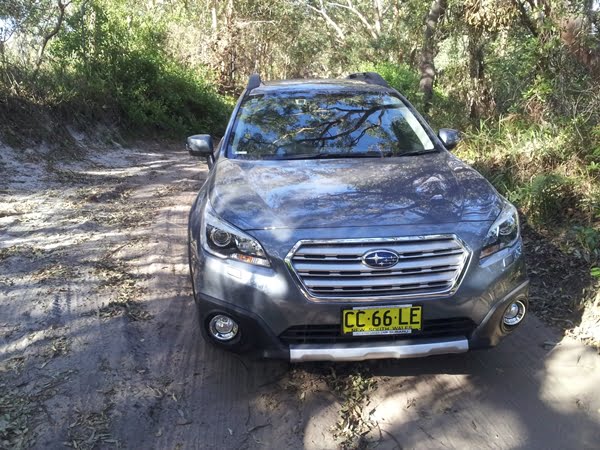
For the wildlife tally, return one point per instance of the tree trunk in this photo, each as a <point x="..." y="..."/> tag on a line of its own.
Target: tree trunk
<point x="229" y="34"/>
<point x="478" y="95"/>
<point x="213" y="16"/>
<point x="378" y="9"/>
<point x="436" y="12"/>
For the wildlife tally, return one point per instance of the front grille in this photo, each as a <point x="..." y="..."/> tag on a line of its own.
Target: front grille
<point x="429" y="265"/>
<point x="331" y="334"/>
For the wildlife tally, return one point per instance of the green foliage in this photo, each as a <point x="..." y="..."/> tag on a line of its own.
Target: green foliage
<point x="512" y="70"/>
<point x="401" y="77"/>
<point x="588" y="239"/>
<point x="548" y="197"/>
<point x="445" y="112"/>
<point x="121" y="62"/>
<point x="539" y="167"/>
<point x="166" y="97"/>
<point x="111" y="65"/>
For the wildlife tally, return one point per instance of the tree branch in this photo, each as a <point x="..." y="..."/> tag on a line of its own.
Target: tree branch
<point x="350" y="7"/>
<point x="323" y="12"/>
<point x="61" y="16"/>
<point x="378" y="8"/>
<point x="526" y="19"/>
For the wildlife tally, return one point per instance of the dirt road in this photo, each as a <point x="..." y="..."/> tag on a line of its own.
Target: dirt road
<point x="99" y="346"/>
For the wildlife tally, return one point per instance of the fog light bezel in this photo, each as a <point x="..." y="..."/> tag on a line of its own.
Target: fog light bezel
<point x="219" y="336"/>
<point x="513" y="322"/>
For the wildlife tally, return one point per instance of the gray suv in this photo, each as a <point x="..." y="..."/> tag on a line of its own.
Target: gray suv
<point x="336" y="225"/>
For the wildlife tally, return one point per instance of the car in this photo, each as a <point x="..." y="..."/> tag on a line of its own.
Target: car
<point x="335" y="225"/>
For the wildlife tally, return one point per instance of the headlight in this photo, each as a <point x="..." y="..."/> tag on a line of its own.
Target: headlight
<point x="225" y="241"/>
<point x="503" y="233"/>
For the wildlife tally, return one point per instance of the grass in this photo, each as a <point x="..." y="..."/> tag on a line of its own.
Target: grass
<point x="543" y="169"/>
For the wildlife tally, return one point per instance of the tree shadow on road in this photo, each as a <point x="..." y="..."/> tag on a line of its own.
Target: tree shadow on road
<point x="522" y="394"/>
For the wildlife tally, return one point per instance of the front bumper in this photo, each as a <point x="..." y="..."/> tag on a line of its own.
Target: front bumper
<point x="267" y="301"/>
<point x="257" y="339"/>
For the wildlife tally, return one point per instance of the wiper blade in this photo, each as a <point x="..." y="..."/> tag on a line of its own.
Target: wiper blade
<point x="326" y="155"/>
<point x="417" y="152"/>
<point x="334" y="155"/>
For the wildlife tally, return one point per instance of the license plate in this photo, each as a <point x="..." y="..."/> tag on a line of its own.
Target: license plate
<point x="364" y="321"/>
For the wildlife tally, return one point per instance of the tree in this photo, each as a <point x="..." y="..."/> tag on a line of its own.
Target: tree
<point x="427" y="67"/>
<point x="53" y="32"/>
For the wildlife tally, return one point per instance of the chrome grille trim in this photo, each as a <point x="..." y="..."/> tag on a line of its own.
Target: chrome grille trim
<point x="332" y="270"/>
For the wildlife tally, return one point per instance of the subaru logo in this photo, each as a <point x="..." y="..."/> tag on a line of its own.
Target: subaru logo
<point x="380" y="259"/>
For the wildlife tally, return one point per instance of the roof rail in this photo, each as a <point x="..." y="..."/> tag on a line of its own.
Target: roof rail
<point x="254" y="81"/>
<point x="369" y="77"/>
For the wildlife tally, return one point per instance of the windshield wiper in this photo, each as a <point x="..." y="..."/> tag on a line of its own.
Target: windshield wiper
<point x="326" y="155"/>
<point x="416" y="152"/>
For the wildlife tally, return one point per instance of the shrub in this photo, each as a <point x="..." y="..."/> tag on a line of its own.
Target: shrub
<point x="445" y="111"/>
<point x="548" y="198"/>
<point x="399" y="76"/>
<point x="538" y="167"/>
<point x="588" y="239"/>
<point x="106" y="61"/>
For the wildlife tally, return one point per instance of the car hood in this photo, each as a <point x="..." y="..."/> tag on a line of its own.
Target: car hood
<point x="431" y="188"/>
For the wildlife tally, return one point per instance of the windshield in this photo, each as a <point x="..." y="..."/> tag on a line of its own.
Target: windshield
<point x="310" y="125"/>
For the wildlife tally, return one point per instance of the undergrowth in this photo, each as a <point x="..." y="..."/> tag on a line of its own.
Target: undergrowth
<point x="551" y="173"/>
<point x="112" y="68"/>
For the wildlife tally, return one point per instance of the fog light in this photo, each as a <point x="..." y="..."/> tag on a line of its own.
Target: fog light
<point x="222" y="327"/>
<point x="514" y="314"/>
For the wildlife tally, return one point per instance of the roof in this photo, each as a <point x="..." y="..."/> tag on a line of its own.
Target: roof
<point x="317" y="85"/>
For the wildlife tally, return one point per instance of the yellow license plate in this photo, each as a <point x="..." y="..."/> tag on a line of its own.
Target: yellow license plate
<point x="363" y="321"/>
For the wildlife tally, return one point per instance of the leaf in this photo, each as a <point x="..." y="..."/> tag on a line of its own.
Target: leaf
<point x="595" y="272"/>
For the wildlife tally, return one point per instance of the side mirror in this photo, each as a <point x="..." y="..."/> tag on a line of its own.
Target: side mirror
<point x="449" y="137"/>
<point x="200" y="145"/>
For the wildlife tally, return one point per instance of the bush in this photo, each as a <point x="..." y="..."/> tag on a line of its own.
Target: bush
<point x="445" y="111"/>
<point x="399" y="76"/>
<point x="109" y="63"/>
<point x="537" y="167"/>
<point x="167" y="97"/>
<point x="548" y="198"/>
<point x="588" y="239"/>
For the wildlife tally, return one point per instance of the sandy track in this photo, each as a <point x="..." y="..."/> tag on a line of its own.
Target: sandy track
<point x="99" y="346"/>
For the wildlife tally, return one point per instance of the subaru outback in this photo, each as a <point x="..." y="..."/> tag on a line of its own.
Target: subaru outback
<point x="336" y="225"/>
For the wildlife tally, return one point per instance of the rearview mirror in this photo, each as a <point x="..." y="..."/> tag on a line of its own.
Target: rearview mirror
<point x="449" y="137"/>
<point x="200" y="145"/>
